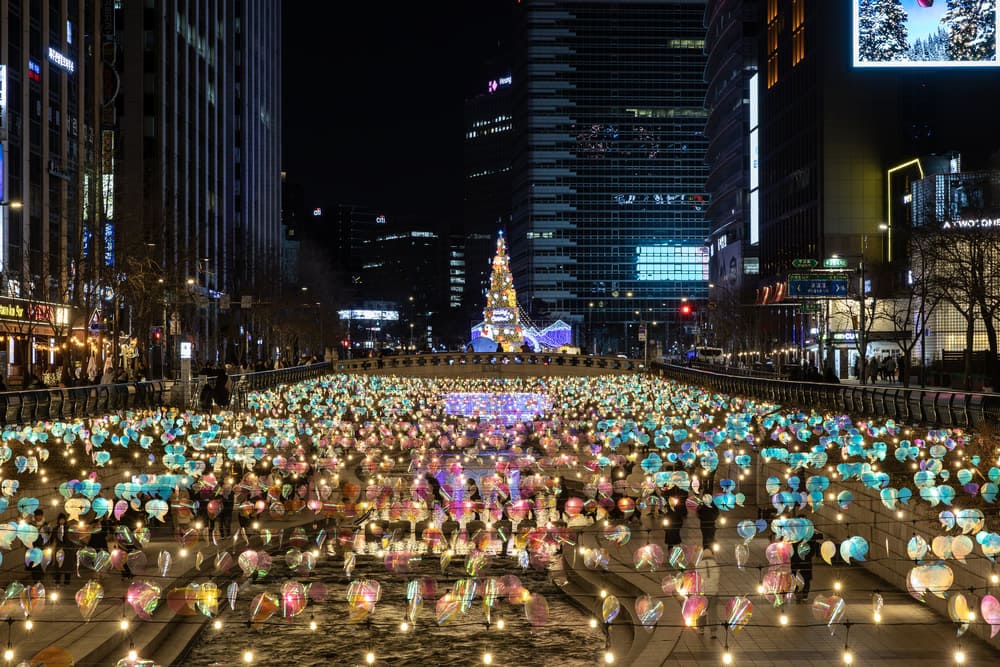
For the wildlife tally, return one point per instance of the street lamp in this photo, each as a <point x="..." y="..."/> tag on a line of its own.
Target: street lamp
<point x="590" y="329"/>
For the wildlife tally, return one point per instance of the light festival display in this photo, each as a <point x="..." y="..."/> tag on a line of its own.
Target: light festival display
<point x="342" y="455"/>
<point x="501" y="322"/>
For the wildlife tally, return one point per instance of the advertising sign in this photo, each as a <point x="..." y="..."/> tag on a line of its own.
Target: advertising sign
<point x="925" y="33"/>
<point x="3" y="101"/>
<point x="185" y="350"/>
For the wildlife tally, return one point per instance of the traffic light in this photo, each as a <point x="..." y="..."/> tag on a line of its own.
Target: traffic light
<point x="156" y="334"/>
<point x="686" y="309"/>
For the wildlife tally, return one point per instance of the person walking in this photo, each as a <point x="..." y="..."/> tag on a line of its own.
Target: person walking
<point x="801" y="564"/>
<point x="674" y="512"/>
<point x="708" y="515"/>
<point x="708" y="568"/>
<point x="63" y="551"/>
<point x="38" y="521"/>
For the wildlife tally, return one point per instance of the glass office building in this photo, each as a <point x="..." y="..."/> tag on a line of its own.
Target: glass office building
<point x="608" y="224"/>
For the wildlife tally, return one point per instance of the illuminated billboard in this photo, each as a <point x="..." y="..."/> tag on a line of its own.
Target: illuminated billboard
<point x="671" y="262"/>
<point x="925" y="33"/>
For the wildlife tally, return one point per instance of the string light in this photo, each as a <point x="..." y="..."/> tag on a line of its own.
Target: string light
<point x="487" y="658"/>
<point x="609" y="657"/>
<point x="370" y="657"/>
<point x="959" y="657"/>
<point x="217" y="624"/>
<point x="248" y="656"/>
<point x="783" y="619"/>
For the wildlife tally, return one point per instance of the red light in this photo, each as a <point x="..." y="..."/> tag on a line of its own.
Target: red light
<point x="685" y="309"/>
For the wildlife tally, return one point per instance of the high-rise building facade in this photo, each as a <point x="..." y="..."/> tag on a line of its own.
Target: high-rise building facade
<point x="849" y="96"/>
<point x="488" y="150"/>
<point x="198" y="170"/>
<point x="730" y="73"/>
<point x="608" y="222"/>
<point x="53" y="231"/>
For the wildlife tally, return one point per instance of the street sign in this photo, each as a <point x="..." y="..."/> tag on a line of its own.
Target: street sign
<point x="96" y="322"/>
<point x="817" y="287"/>
<point x="835" y="263"/>
<point x="642" y="333"/>
<point x="224" y="302"/>
<point x="804" y="263"/>
<point x="246" y="302"/>
<point x="810" y="307"/>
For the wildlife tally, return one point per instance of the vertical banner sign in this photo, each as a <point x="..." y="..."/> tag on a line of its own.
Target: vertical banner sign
<point x="3" y="128"/>
<point x="3" y="102"/>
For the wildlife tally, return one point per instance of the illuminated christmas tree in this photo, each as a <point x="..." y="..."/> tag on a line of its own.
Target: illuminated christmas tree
<point x="882" y="33"/>
<point x="972" y="29"/>
<point x="500" y="317"/>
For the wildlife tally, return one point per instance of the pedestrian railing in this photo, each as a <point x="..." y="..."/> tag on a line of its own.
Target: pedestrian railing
<point x="928" y="406"/>
<point x="57" y="403"/>
<point x="18" y="407"/>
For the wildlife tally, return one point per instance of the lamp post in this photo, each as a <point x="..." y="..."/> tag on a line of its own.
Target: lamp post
<point x="590" y="331"/>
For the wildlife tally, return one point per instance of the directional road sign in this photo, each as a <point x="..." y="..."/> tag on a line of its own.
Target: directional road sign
<point x="817" y="286"/>
<point x="835" y="263"/>
<point x="804" y="263"/>
<point x="809" y="307"/>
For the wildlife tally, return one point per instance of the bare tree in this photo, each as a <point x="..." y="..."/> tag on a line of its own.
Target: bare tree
<point x="958" y="257"/>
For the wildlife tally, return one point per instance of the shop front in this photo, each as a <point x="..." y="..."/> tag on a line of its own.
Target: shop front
<point x="32" y="338"/>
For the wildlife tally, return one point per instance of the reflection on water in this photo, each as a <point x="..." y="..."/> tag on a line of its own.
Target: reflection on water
<point x="566" y="640"/>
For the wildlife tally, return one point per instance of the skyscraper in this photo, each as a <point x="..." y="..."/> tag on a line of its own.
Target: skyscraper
<point x="608" y="222"/>
<point x="731" y="71"/>
<point x="54" y="225"/>
<point x="488" y="149"/>
<point x="198" y="172"/>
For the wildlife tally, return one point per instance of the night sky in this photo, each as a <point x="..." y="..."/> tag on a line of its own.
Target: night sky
<point x="373" y="94"/>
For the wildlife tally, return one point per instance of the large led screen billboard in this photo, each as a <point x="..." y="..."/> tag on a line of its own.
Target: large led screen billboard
<point x="925" y="33"/>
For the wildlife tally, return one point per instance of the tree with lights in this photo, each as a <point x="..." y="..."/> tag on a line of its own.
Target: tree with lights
<point x="501" y="321"/>
<point x="882" y="34"/>
<point x="972" y="29"/>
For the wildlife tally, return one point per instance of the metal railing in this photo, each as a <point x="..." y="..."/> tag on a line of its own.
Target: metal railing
<point x="928" y="406"/>
<point x="21" y="407"/>
<point x="57" y="403"/>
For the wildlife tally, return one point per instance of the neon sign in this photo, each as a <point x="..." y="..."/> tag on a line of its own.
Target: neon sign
<point x="61" y="61"/>
<point x="496" y="84"/>
<point x="34" y="70"/>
